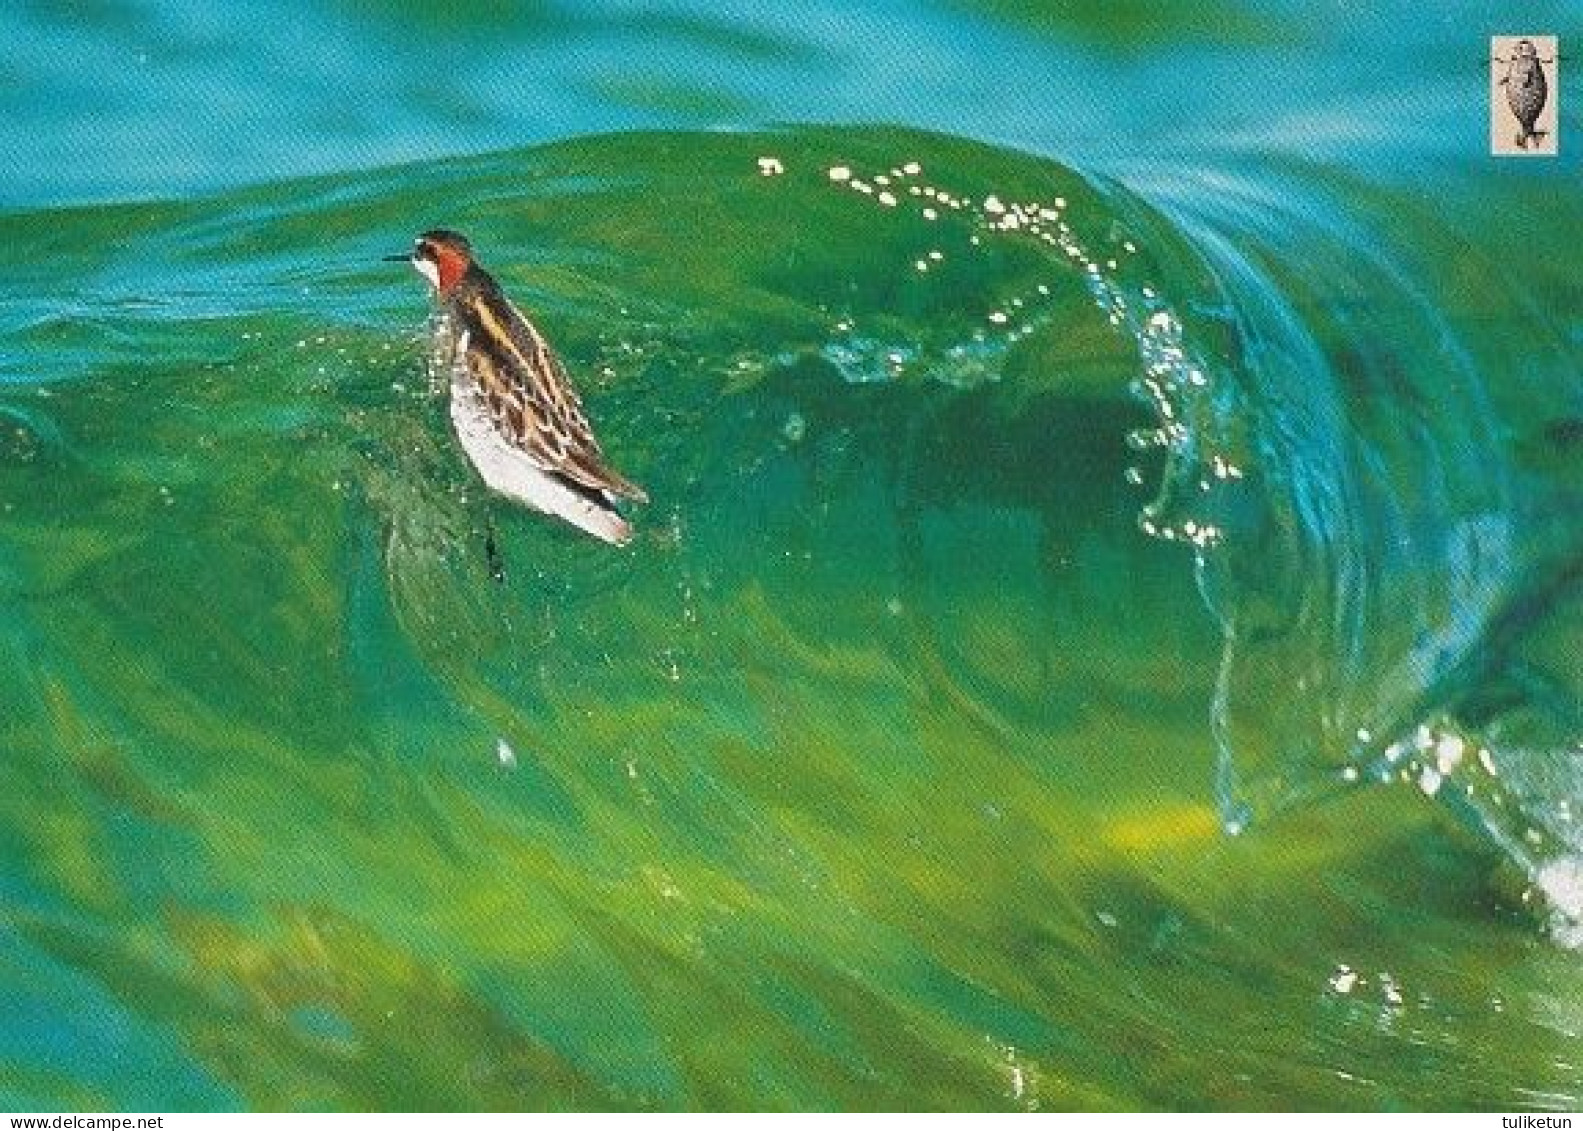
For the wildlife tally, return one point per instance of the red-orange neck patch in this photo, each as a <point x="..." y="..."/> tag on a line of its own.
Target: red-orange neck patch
<point x="452" y="264"/>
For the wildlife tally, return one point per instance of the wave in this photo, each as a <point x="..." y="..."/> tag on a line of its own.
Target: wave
<point x="1369" y="420"/>
<point x="896" y="373"/>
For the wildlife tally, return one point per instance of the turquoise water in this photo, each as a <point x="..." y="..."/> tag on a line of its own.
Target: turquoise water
<point x="1105" y="635"/>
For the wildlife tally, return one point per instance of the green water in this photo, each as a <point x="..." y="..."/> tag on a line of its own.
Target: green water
<point x="891" y="765"/>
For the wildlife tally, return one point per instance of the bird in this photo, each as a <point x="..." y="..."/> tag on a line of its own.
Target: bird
<point x="513" y="406"/>
<point x="1526" y="91"/>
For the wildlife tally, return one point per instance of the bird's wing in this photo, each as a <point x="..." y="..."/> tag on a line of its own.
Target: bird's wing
<point x="530" y="397"/>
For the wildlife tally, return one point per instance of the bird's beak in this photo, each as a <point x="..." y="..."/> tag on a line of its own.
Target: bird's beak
<point x="406" y="257"/>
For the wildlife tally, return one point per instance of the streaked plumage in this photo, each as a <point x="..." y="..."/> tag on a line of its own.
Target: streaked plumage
<point x="514" y="409"/>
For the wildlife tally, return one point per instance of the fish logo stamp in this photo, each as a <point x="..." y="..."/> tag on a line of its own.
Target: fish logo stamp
<point x="1524" y="90"/>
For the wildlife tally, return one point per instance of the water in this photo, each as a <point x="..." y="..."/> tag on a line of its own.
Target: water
<point x="893" y="764"/>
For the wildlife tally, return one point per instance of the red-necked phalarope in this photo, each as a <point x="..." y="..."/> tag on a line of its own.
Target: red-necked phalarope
<point x="513" y="406"/>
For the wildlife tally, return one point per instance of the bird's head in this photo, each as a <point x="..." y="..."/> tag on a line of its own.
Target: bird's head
<point x="440" y="256"/>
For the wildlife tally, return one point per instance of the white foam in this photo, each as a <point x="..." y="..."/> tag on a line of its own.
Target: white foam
<point x="1561" y="881"/>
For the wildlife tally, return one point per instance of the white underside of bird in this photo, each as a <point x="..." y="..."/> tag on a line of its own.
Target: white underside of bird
<point x="506" y="469"/>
